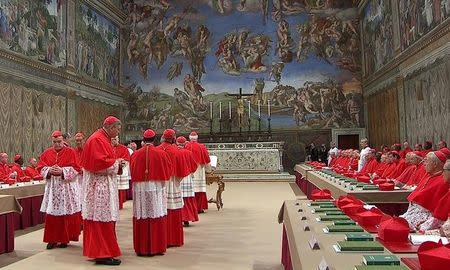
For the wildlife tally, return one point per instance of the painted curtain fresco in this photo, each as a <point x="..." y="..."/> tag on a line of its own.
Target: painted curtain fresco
<point x="301" y="58"/>
<point x="97" y="46"/>
<point x="378" y="35"/>
<point x="419" y="17"/>
<point x="35" y="29"/>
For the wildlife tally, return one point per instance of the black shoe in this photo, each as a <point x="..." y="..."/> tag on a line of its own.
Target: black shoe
<point x="186" y="223"/>
<point x="201" y="211"/>
<point x="108" y="261"/>
<point x="51" y="245"/>
<point x="62" y="245"/>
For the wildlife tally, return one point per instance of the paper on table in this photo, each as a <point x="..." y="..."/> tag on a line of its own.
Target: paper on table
<point x="369" y="206"/>
<point x="417" y="239"/>
<point x="213" y="161"/>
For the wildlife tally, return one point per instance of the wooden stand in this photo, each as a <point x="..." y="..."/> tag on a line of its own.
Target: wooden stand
<point x="211" y="177"/>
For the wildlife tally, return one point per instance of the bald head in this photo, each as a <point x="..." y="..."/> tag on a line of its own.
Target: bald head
<point x="33" y="162"/>
<point x="3" y="158"/>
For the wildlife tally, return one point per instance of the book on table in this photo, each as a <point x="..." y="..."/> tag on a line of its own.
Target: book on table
<point x="365" y="246"/>
<point x="333" y="213"/>
<point x="381" y="260"/>
<point x="381" y="267"/>
<point x="333" y="218"/>
<point x="320" y="210"/>
<point x="358" y="237"/>
<point x="370" y="187"/>
<point x="345" y="228"/>
<point x="320" y="203"/>
<point x="343" y="222"/>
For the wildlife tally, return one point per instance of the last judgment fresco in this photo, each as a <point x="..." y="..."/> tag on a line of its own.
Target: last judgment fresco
<point x="297" y="63"/>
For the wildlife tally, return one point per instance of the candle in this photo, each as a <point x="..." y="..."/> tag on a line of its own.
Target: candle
<point x="259" y="108"/>
<point x="268" y="107"/>
<point x="249" y="109"/>
<point x="229" y="108"/>
<point x="220" y="110"/>
<point x="210" y="110"/>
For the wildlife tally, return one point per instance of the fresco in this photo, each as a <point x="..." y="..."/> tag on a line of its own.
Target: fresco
<point x="378" y="35"/>
<point x="35" y="29"/>
<point x="297" y="62"/>
<point x="97" y="46"/>
<point x="419" y="17"/>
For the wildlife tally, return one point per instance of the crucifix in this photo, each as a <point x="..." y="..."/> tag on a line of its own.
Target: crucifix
<point x="240" y="107"/>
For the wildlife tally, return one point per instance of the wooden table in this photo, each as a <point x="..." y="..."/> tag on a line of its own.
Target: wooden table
<point x="212" y="177"/>
<point x="300" y="176"/>
<point x="8" y="207"/>
<point x="30" y="198"/>
<point x="296" y="253"/>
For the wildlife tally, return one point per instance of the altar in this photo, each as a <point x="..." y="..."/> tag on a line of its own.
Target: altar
<point x="247" y="157"/>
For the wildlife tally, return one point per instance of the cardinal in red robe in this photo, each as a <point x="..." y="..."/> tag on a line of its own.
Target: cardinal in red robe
<point x="61" y="202"/>
<point x="423" y="200"/>
<point x="151" y="170"/>
<point x="17" y="167"/>
<point x="189" y="211"/>
<point x="201" y="157"/>
<point x="123" y="179"/>
<point x="31" y="170"/>
<point x="100" y="204"/>
<point x="6" y="174"/>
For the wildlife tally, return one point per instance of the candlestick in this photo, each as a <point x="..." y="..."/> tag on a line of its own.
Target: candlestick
<point x="259" y="108"/>
<point x="249" y="109"/>
<point x="229" y="108"/>
<point x="268" y="107"/>
<point x="220" y="110"/>
<point x="210" y="110"/>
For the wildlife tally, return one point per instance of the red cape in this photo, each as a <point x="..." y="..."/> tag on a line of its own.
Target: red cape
<point x="404" y="152"/>
<point x="186" y="158"/>
<point x="5" y="171"/>
<point x="401" y="166"/>
<point x="20" y="173"/>
<point x="171" y="150"/>
<point x="153" y="160"/>
<point x="407" y="173"/>
<point x="66" y="157"/>
<point x="121" y="151"/>
<point x="442" y="210"/>
<point x="200" y="152"/>
<point x="98" y="153"/>
<point x="389" y="171"/>
<point x="428" y="193"/>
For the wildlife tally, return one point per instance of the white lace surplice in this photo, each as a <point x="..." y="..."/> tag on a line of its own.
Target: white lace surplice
<point x="123" y="181"/>
<point x="61" y="196"/>
<point x="187" y="187"/>
<point x="100" y="195"/>
<point x="174" y="197"/>
<point x="149" y="199"/>
<point x="199" y="179"/>
<point x="416" y="215"/>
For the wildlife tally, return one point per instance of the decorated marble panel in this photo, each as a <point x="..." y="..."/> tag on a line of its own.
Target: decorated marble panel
<point x="418" y="17"/>
<point x="97" y="46"/>
<point x="35" y="29"/>
<point x="297" y="62"/>
<point x="247" y="157"/>
<point x="378" y="35"/>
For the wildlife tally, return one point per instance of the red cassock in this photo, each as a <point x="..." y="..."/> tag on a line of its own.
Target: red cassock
<point x="21" y="177"/>
<point x="189" y="211"/>
<point x="33" y="173"/>
<point x="353" y="164"/>
<point x="401" y="166"/>
<point x="429" y="191"/>
<point x="79" y="151"/>
<point x="390" y="171"/>
<point x="5" y="172"/>
<point x="404" y="152"/>
<point x="200" y="152"/>
<point x="151" y="169"/>
<point x="381" y="168"/>
<point x="121" y="151"/>
<point x="405" y="176"/>
<point x="61" y="201"/>
<point x="99" y="212"/>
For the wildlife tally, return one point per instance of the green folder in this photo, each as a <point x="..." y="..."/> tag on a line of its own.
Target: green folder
<point x="325" y="209"/>
<point x="358" y="237"/>
<point x="345" y="228"/>
<point x="333" y="213"/>
<point x="370" y="187"/>
<point x="381" y="260"/>
<point x="333" y="218"/>
<point x="365" y="246"/>
<point x="381" y="267"/>
<point x="320" y="203"/>
<point x="344" y="222"/>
